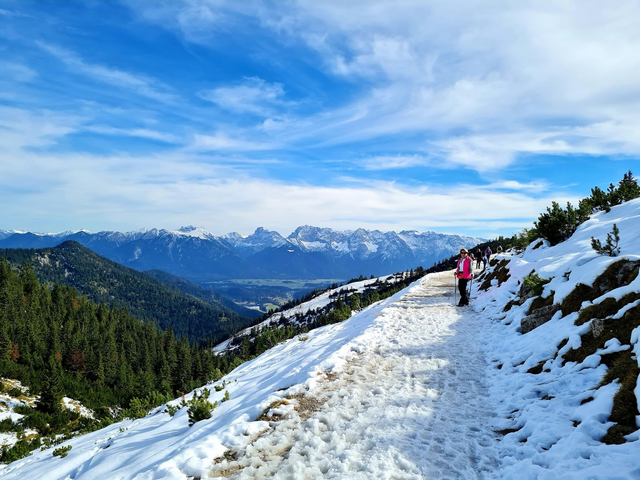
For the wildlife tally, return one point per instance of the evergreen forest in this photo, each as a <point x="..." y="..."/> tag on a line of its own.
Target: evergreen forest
<point x="104" y="281"/>
<point x="58" y="343"/>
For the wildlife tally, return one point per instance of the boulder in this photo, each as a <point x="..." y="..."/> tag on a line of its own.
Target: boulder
<point x="597" y="327"/>
<point x="538" y="317"/>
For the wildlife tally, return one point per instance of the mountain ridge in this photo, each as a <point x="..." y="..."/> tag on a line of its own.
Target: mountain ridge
<point x="193" y="253"/>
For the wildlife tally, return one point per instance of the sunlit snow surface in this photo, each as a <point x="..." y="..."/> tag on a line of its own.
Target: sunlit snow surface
<point x="408" y="389"/>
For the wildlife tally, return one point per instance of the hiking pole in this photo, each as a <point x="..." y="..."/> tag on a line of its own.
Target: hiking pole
<point x="469" y="294"/>
<point x="455" y="295"/>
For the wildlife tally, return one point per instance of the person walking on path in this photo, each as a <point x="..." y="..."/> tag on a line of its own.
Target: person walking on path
<point x="487" y="256"/>
<point x="478" y="258"/>
<point x="464" y="272"/>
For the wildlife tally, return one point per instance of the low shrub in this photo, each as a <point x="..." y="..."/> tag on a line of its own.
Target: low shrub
<point x="610" y="248"/>
<point x="137" y="408"/>
<point x="535" y="283"/>
<point x="199" y="407"/>
<point x="62" y="451"/>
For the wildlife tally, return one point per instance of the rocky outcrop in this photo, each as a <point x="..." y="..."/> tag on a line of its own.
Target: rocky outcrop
<point x="538" y="317"/>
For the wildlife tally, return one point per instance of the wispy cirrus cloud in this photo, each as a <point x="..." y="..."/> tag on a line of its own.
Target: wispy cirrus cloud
<point x="390" y="162"/>
<point x="135" y="132"/>
<point x="253" y="95"/>
<point x="17" y="71"/>
<point x="473" y="94"/>
<point x="140" y="84"/>
<point x="566" y="75"/>
<point x="23" y="129"/>
<point x="222" y="141"/>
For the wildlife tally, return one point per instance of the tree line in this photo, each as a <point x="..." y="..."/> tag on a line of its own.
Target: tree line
<point x="557" y="224"/>
<point x="58" y="343"/>
<point x="145" y="297"/>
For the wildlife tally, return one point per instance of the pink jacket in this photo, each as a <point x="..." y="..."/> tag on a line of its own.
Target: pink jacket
<point x="466" y="268"/>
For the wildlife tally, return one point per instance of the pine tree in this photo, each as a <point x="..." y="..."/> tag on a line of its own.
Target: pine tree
<point x="628" y="188"/>
<point x="611" y="247"/>
<point x="52" y="393"/>
<point x="182" y="371"/>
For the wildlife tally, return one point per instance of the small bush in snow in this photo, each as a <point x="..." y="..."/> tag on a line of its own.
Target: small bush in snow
<point x="137" y="408"/>
<point x="535" y="283"/>
<point x="610" y="248"/>
<point x="62" y="451"/>
<point x="200" y="407"/>
<point x="172" y="409"/>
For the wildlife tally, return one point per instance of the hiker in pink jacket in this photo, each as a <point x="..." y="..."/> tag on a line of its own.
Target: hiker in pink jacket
<point x="464" y="273"/>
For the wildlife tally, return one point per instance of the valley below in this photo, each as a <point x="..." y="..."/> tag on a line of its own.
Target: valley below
<point x="265" y="294"/>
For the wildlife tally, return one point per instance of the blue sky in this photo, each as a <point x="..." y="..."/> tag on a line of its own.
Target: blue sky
<point x="462" y="117"/>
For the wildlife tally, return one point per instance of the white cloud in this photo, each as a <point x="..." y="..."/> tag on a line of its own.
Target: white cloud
<point x="21" y="129"/>
<point x="221" y="141"/>
<point x="562" y="77"/>
<point x="9" y="13"/>
<point x="457" y="84"/>
<point x="58" y="191"/>
<point x="253" y="96"/>
<point x="519" y="186"/>
<point x="389" y="162"/>
<point x="135" y="132"/>
<point x="139" y="84"/>
<point x="17" y="71"/>
<point x="70" y="191"/>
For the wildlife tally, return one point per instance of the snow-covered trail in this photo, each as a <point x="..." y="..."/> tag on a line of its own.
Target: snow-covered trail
<point x="412" y="407"/>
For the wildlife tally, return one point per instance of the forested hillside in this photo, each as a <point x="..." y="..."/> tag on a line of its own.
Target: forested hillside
<point x="105" y="281"/>
<point x="196" y="290"/>
<point x="58" y="343"/>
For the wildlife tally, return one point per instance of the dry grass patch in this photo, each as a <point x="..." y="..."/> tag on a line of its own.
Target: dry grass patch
<point x="306" y="405"/>
<point x="264" y="416"/>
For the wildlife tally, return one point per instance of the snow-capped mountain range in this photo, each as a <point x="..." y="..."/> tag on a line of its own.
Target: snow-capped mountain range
<point x="309" y="252"/>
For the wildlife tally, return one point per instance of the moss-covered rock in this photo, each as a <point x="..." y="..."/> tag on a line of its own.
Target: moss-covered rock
<point x="537" y="369"/>
<point x="618" y="274"/>
<point x="539" y="317"/>
<point x="500" y="271"/>
<point x="619" y="328"/>
<point x="606" y="308"/>
<point x="581" y="293"/>
<point x="625" y="407"/>
<point x="541" y="302"/>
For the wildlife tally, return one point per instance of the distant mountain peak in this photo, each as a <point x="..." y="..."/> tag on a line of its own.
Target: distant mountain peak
<point x="191" y="231"/>
<point x="188" y="228"/>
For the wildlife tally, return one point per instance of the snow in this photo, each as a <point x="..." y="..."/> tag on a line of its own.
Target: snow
<point x="315" y="303"/>
<point x="410" y="388"/>
<point x="191" y="231"/>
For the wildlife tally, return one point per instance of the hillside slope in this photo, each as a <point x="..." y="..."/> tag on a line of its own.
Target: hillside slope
<point x="564" y="359"/>
<point x="105" y="281"/>
<point x="414" y="387"/>
<point x="196" y="290"/>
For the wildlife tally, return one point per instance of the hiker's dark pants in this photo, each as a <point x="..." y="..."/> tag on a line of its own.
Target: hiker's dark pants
<point x="462" y="287"/>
